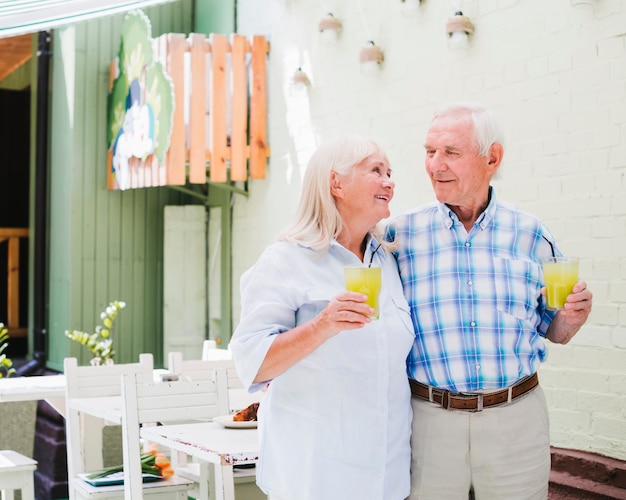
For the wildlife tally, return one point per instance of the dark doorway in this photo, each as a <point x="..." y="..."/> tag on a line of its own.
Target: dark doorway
<point x="14" y="203"/>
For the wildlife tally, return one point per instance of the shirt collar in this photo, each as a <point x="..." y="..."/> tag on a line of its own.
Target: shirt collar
<point x="372" y="245"/>
<point x="449" y="218"/>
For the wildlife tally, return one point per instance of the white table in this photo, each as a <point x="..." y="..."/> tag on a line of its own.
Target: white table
<point x="212" y="443"/>
<point x="29" y="388"/>
<point x="48" y="387"/>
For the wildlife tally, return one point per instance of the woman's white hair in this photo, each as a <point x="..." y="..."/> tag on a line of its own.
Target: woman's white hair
<point x="317" y="219"/>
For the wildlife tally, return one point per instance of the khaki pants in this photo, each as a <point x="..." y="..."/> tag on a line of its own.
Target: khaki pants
<point x="502" y="452"/>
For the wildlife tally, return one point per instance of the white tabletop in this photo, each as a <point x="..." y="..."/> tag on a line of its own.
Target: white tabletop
<point x="207" y="441"/>
<point x="48" y="387"/>
<point x="30" y="388"/>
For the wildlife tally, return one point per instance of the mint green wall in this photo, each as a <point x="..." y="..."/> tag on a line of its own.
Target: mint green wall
<point x="214" y="16"/>
<point x="103" y="245"/>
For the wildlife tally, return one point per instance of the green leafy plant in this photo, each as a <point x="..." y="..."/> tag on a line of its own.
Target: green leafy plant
<point x="100" y="343"/>
<point x="6" y="365"/>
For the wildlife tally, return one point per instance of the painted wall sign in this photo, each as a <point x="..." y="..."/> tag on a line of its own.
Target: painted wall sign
<point x="140" y="110"/>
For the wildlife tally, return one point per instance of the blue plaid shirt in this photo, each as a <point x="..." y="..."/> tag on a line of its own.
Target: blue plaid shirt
<point x="475" y="297"/>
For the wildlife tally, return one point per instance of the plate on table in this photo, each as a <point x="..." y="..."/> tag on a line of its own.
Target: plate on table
<point x="228" y="422"/>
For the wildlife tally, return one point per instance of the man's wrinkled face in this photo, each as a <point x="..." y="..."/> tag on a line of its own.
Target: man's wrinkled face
<point x="459" y="175"/>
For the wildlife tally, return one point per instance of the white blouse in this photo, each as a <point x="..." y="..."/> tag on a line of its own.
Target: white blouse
<point x="336" y="424"/>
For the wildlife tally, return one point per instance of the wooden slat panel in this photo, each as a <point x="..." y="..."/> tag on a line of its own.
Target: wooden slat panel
<point x="176" y="68"/>
<point x="239" y="132"/>
<point x="184" y="279"/>
<point x="258" y="110"/>
<point x="219" y="48"/>
<point x="245" y="147"/>
<point x="197" y="165"/>
<point x="13" y="285"/>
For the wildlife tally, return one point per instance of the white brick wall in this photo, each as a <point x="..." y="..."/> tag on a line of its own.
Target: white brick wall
<point x="555" y="75"/>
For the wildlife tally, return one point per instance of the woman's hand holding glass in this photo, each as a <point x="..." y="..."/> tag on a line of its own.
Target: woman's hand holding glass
<point x="346" y="311"/>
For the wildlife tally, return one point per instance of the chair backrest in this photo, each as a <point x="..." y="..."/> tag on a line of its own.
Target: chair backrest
<point x="92" y="382"/>
<point x="210" y="351"/>
<point x="165" y="402"/>
<point x="205" y="369"/>
<point x="103" y="380"/>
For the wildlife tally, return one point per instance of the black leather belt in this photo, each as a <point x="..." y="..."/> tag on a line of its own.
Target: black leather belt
<point x="472" y="401"/>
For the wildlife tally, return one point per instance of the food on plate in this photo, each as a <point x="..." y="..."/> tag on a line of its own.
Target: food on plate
<point x="247" y="414"/>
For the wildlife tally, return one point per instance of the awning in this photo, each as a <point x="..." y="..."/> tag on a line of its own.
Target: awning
<point x="18" y="17"/>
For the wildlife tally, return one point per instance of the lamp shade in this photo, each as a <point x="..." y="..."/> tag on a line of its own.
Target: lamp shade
<point x="330" y="27"/>
<point x="300" y="80"/>
<point x="459" y="28"/>
<point x="370" y="57"/>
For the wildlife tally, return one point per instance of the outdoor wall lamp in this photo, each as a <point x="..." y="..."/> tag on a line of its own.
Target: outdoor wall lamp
<point x="411" y="6"/>
<point x="329" y="27"/>
<point x="300" y="81"/>
<point x="370" y="57"/>
<point x="459" y="28"/>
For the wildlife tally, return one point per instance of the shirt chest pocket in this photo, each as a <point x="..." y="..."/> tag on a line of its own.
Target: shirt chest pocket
<point x="314" y="301"/>
<point x="517" y="284"/>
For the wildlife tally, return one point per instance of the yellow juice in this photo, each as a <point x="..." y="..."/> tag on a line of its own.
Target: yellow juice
<point x="560" y="274"/>
<point x="365" y="280"/>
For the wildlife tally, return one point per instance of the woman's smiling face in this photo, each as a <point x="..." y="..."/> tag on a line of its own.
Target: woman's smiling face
<point x="367" y="191"/>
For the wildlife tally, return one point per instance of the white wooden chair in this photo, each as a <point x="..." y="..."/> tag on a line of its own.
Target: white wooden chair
<point x="17" y="436"/>
<point x="84" y="431"/>
<point x="222" y="368"/>
<point x="16" y="473"/>
<point x="202" y="369"/>
<point x="210" y="351"/>
<point x="165" y="402"/>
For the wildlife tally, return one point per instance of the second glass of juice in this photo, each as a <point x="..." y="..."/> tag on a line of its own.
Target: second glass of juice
<point x="560" y="274"/>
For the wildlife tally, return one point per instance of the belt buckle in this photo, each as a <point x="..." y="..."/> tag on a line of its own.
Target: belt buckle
<point x="445" y="399"/>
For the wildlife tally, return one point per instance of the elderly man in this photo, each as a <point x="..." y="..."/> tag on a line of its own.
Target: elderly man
<point x="471" y="271"/>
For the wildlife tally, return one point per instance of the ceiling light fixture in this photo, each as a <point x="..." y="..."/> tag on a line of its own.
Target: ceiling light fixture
<point x="300" y="81"/>
<point x="330" y="28"/>
<point x="459" y="28"/>
<point x="371" y="57"/>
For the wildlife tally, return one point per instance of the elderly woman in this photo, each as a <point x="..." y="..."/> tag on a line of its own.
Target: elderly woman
<point x="336" y="419"/>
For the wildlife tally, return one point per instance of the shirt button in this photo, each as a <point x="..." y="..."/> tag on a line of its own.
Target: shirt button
<point x="470" y="282"/>
<point x="472" y="323"/>
<point x="477" y="366"/>
<point x="467" y="243"/>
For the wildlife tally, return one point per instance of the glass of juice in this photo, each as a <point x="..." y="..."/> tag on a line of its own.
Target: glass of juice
<point x="560" y="274"/>
<point x="365" y="280"/>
